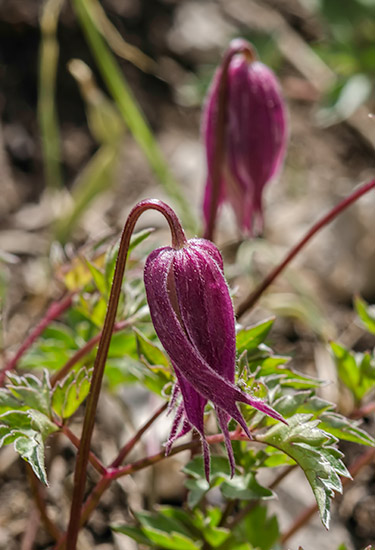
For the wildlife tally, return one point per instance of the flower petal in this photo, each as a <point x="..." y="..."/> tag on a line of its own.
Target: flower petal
<point x="184" y="355"/>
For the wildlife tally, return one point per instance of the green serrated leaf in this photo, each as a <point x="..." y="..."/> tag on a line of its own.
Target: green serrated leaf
<point x="258" y="530"/>
<point x="70" y="393"/>
<point x="273" y="372"/>
<point x="161" y="522"/>
<point x="41" y="423"/>
<point x="351" y="368"/>
<point x="8" y="402"/>
<point x="366" y="313"/>
<point x="244" y="488"/>
<point x="149" y="351"/>
<point x="287" y="405"/>
<point x="311" y="448"/>
<point x="98" y="276"/>
<point x="276" y="458"/>
<point x="31" y="449"/>
<point x="170" y="541"/>
<point x="16" y="419"/>
<point x="250" y="338"/>
<point x="219" y="468"/>
<point x="197" y="489"/>
<point x="216" y="536"/>
<point x="177" y="514"/>
<point x="134" y="533"/>
<point x="31" y="392"/>
<point x="166" y="532"/>
<point x="367" y="367"/>
<point x="343" y="428"/>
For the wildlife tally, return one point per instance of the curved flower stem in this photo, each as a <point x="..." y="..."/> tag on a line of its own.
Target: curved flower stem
<point x="178" y="241"/>
<point x="219" y="149"/>
<point x="54" y="311"/>
<point x="361" y="462"/>
<point x="254" y="296"/>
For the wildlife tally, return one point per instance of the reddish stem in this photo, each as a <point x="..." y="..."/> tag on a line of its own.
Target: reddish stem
<point x="37" y="491"/>
<point x="30" y="530"/>
<point x="103" y="484"/>
<point x="178" y="241"/>
<point x="54" y="311"/>
<point x="254" y="296"/>
<point x="93" y="459"/>
<point x="219" y="146"/>
<point x="130" y="444"/>
<point x="363" y="411"/>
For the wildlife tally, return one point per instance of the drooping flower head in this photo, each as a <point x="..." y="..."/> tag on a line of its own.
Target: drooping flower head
<point x="193" y="316"/>
<point x="245" y="110"/>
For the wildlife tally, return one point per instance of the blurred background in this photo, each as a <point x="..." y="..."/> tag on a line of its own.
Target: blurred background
<point x="100" y="106"/>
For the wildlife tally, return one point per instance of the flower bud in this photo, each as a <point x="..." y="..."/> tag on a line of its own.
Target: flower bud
<point x="254" y="135"/>
<point x="193" y="316"/>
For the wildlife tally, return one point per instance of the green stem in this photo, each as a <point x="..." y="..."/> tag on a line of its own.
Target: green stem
<point x="130" y="111"/>
<point x="178" y="241"/>
<point x="47" y="113"/>
<point x="254" y="296"/>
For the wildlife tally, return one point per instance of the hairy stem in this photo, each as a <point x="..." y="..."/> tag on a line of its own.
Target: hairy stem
<point x="178" y="241"/>
<point x="54" y="311"/>
<point x="254" y="296"/>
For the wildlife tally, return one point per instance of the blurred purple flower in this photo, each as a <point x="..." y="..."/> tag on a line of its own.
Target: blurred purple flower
<point x="254" y="135"/>
<point x="193" y="316"/>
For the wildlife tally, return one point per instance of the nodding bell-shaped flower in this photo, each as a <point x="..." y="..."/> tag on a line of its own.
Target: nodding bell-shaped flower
<point x="244" y="110"/>
<point x="192" y="313"/>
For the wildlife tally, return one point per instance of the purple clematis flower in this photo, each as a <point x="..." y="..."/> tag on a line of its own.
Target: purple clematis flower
<point x="253" y="133"/>
<point x="193" y="316"/>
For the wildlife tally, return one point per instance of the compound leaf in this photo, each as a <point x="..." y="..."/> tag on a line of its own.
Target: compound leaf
<point x="314" y="451"/>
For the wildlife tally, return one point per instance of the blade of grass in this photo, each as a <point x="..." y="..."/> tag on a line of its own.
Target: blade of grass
<point x="47" y="114"/>
<point x="127" y="105"/>
<point x="94" y="179"/>
<point x="107" y="128"/>
<point x="117" y="43"/>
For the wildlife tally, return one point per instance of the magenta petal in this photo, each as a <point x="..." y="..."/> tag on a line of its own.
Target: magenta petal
<point x="192" y="313"/>
<point x="255" y="135"/>
<point x="223" y="423"/>
<point x="200" y="286"/>
<point x="175" y="426"/>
